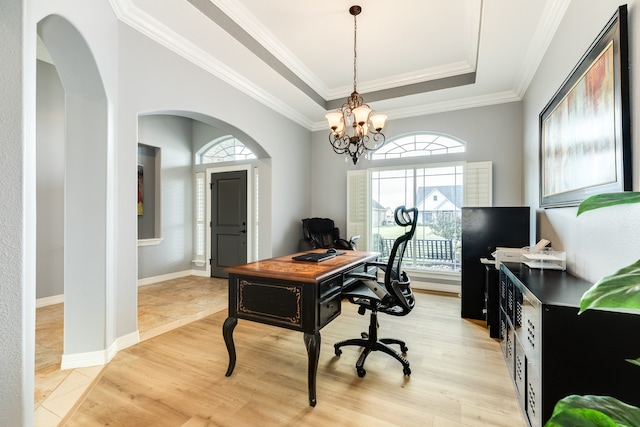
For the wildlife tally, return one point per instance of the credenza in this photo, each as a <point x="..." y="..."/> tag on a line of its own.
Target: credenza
<point x="552" y="352"/>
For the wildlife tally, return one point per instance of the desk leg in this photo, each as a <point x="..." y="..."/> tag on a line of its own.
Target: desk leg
<point x="227" y="333"/>
<point x="312" y="342"/>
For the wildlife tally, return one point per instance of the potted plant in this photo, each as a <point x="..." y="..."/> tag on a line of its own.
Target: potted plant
<point x="621" y="290"/>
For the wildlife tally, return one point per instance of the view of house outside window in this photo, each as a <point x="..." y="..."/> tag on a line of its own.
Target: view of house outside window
<point x="437" y="192"/>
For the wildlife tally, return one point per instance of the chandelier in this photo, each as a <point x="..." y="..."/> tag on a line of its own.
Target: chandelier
<point x="355" y="124"/>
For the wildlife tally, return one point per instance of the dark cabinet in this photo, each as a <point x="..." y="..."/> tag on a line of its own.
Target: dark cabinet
<point x="552" y="352"/>
<point x="484" y="229"/>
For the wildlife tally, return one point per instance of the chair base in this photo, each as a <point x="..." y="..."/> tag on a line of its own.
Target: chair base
<point x="370" y="342"/>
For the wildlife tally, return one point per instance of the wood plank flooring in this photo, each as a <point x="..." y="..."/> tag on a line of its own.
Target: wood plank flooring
<point x="161" y="307"/>
<point x="177" y="378"/>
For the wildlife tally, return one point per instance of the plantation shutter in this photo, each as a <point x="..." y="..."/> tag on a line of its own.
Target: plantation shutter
<point x="478" y="184"/>
<point x="200" y="228"/>
<point x="358" y="207"/>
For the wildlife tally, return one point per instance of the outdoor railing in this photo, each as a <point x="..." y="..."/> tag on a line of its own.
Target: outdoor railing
<point x="421" y="249"/>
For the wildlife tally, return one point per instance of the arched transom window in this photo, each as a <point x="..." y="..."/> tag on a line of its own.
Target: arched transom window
<point x="420" y="144"/>
<point x="224" y="149"/>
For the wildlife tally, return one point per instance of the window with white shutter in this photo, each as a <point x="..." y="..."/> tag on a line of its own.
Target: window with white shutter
<point x="439" y="191"/>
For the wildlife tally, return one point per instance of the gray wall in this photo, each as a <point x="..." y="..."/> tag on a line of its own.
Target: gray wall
<point x="204" y="134"/>
<point x="600" y="242"/>
<point x="491" y="133"/>
<point x="50" y="182"/>
<point x="173" y="136"/>
<point x="148" y="80"/>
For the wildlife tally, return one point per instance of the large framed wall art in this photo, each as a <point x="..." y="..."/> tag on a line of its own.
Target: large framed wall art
<point x="585" y="141"/>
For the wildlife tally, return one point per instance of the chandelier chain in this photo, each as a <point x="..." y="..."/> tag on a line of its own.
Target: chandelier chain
<point x="355" y="51"/>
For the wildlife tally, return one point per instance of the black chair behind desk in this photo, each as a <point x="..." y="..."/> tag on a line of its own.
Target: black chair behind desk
<point x="321" y="233"/>
<point x="393" y="296"/>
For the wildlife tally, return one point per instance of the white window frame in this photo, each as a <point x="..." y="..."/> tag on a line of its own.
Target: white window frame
<point x="477" y="192"/>
<point x="231" y="158"/>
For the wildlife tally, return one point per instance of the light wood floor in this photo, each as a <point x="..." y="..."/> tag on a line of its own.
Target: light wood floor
<point x="177" y="378"/>
<point x="161" y="308"/>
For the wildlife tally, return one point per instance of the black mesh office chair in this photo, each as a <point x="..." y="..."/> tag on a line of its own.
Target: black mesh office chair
<point x="393" y="296"/>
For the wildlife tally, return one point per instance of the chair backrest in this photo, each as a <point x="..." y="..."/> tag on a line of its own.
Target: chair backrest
<point x="322" y="232"/>
<point x="393" y="273"/>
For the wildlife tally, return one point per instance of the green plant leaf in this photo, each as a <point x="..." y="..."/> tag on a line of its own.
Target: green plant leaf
<point x="635" y="362"/>
<point x="608" y="199"/>
<point x="620" y="290"/>
<point x="593" y="411"/>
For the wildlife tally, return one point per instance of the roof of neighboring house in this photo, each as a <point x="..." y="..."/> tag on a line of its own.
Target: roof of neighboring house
<point x="376" y="205"/>
<point x="453" y="193"/>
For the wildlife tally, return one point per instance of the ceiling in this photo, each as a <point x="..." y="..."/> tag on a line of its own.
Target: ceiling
<point x="414" y="56"/>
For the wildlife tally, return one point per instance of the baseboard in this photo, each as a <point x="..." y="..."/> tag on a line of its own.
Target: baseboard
<point x="163" y="277"/>
<point x="436" y="287"/>
<point x="45" y="301"/>
<point x="436" y="281"/>
<point x="127" y="341"/>
<point x="101" y="357"/>
<point x="199" y="273"/>
<point x="83" y="360"/>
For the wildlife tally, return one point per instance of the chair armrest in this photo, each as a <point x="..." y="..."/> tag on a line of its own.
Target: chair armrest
<point x="361" y="276"/>
<point x="378" y="264"/>
<point x="343" y="244"/>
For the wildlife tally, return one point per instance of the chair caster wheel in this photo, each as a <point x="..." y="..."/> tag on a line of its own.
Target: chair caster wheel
<point x="407" y="371"/>
<point x="404" y="349"/>
<point x="361" y="372"/>
<point x="337" y="351"/>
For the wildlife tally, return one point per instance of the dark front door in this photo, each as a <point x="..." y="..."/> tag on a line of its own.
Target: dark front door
<point x="228" y="221"/>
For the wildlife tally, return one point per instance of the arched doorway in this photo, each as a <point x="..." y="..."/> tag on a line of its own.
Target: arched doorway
<point x="87" y="202"/>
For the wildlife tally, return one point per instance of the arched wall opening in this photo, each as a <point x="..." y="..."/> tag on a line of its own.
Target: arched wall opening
<point x="177" y="135"/>
<point x="87" y="160"/>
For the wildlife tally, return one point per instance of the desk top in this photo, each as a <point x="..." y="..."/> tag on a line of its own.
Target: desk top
<point x="302" y="271"/>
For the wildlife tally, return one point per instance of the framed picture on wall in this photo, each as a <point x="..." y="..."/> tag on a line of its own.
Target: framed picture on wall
<point x="585" y="142"/>
<point x="140" y="190"/>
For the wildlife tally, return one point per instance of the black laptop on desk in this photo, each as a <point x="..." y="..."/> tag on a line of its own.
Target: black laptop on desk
<point x="314" y="256"/>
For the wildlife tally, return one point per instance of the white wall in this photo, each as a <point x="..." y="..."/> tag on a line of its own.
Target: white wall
<point x="600" y="242"/>
<point x="491" y="133"/>
<point x="18" y="222"/>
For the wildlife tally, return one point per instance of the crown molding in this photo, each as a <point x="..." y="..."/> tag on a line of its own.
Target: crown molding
<point x="247" y="21"/>
<point x="407" y="79"/>
<point x="442" y="107"/>
<point x="129" y="14"/>
<point x="548" y="25"/>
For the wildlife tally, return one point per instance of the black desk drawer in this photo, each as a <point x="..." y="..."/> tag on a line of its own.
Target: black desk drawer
<point x="329" y="287"/>
<point x="329" y="309"/>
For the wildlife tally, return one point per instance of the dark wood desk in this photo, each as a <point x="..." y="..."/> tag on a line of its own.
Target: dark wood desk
<point x="298" y="295"/>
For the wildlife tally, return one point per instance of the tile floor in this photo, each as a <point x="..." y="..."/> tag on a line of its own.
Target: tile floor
<point x="161" y="307"/>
